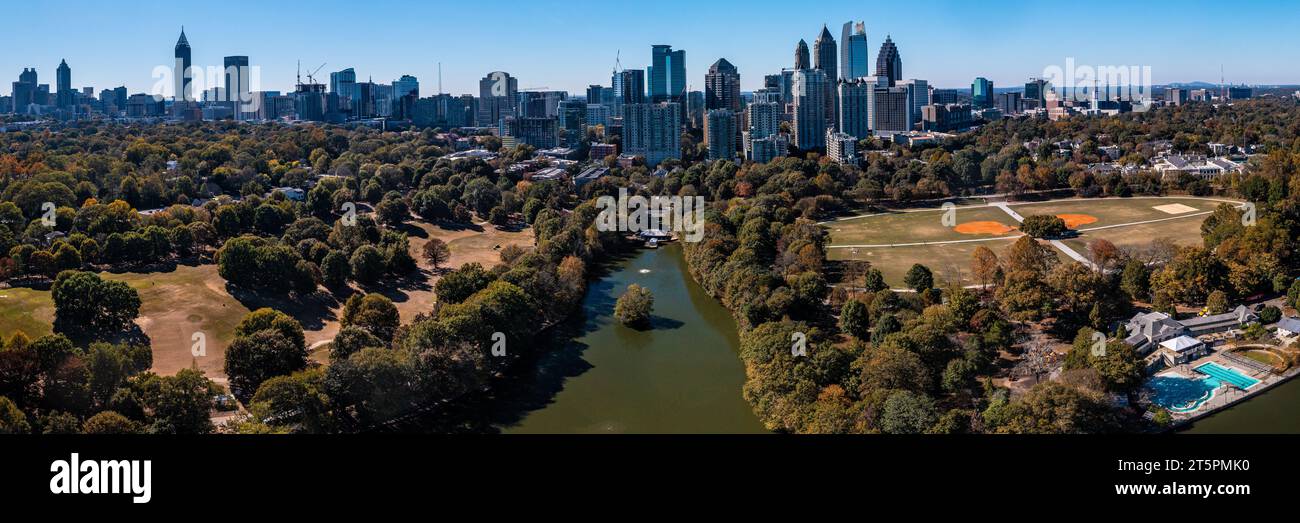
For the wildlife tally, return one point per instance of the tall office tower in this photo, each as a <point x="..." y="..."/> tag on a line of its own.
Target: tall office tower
<point x="497" y="93"/>
<point x="572" y="116"/>
<point x="720" y="134"/>
<point x="891" y="110"/>
<point x="824" y="56"/>
<point x="236" y="76"/>
<point x="808" y="93"/>
<point x="854" y="51"/>
<point x="855" y="107"/>
<point x="344" y="85"/>
<point x="599" y="94"/>
<point x="888" y="63"/>
<point x="918" y="95"/>
<point x="981" y="93"/>
<point x="801" y="60"/>
<point x="695" y="109"/>
<point x="539" y="104"/>
<point x="405" y="85"/>
<point x="24" y="93"/>
<point x="1176" y="96"/>
<point x="63" y="85"/>
<point x="652" y="130"/>
<point x="1036" y="93"/>
<point x="722" y="87"/>
<point x="184" y="76"/>
<point x="772" y="81"/>
<point x="631" y="86"/>
<point x="824" y="60"/>
<point x="1009" y="103"/>
<point x="667" y="74"/>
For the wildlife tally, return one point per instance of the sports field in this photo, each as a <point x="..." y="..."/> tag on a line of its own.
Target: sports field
<point x="944" y="239"/>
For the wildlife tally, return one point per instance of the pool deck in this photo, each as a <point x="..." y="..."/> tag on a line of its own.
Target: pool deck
<point x="1226" y="396"/>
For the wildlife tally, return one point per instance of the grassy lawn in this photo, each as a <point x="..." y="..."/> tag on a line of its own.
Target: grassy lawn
<point x="952" y="261"/>
<point x="26" y="310"/>
<point x="914" y="227"/>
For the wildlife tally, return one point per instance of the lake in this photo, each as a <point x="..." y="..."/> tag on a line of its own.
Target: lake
<point x="682" y="375"/>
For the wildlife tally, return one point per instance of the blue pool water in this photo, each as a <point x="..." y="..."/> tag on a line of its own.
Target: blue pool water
<point x="1179" y="394"/>
<point x="1229" y="375"/>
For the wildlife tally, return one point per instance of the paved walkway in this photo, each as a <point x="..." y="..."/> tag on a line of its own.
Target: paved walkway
<point x="1061" y="246"/>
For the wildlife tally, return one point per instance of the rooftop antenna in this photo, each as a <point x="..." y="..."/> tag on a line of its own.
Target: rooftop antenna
<point x="440" y="78"/>
<point x="1223" y="92"/>
<point x="618" y="66"/>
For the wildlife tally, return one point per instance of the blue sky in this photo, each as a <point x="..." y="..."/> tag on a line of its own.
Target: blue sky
<point x="571" y="45"/>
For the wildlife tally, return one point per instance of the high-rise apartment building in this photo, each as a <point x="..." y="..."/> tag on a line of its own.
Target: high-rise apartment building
<point x="720" y="134"/>
<point x="981" y="93"/>
<point x="808" y="92"/>
<point x="653" y="131"/>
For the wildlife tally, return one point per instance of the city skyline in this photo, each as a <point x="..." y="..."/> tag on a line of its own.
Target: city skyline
<point x="936" y="49"/>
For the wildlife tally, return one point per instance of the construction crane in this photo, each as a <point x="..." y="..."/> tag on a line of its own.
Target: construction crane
<point x="311" y="77"/>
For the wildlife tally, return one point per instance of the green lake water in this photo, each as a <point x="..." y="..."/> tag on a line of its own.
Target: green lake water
<point x="1274" y="412"/>
<point x="681" y="376"/>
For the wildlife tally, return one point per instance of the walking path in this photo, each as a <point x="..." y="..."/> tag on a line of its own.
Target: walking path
<point x="1061" y="246"/>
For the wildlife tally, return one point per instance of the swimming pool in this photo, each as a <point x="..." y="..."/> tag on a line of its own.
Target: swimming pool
<point x="1227" y="374"/>
<point x="1179" y="394"/>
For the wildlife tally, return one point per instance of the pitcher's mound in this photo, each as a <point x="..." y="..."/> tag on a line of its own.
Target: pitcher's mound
<point x="1075" y="220"/>
<point x="983" y="228"/>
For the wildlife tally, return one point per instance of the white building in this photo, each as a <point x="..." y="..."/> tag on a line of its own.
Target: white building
<point x="841" y="147"/>
<point x="1198" y="166"/>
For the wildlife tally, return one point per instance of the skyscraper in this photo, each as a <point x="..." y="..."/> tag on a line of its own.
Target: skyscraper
<point x="854" y="51"/>
<point x="667" y="74"/>
<point x="763" y="141"/>
<point x="24" y="93"/>
<point x="652" y="130"/>
<point x="720" y="134"/>
<point x="722" y="87"/>
<point x="855" y="107"/>
<point x="808" y="92"/>
<point x="631" y="86"/>
<point x="824" y="60"/>
<point x="63" y="85"/>
<point x="497" y="93"/>
<point x="238" y="91"/>
<point x="981" y="93"/>
<point x="888" y="63"/>
<point x="918" y="96"/>
<point x="801" y="60"/>
<point x="1036" y="93"/>
<point x="183" y="74"/>
<point x="405" y="85"/>
<point x="824" y="55"/>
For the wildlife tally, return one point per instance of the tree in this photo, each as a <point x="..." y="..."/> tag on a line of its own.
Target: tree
<point x="458" y="285"/>
<point x="634" y="307"/>
<point x="1216" y="303"/>
<point x="180" y="404"/>
<point x="907" y="412"/>
<point x="1027" y="254"/>
<point x="267" y="318"/>
<point x="110" y="422"/>
<point x="436" y="252"/>
<point x="84" y="303"/>
<point x="874" y="281"/>
<point x="335" y="268"/>
<point x="251" y="360"/>
<point x="12" y="420"/>
<point x="1136" y="280"/>
<point x="1293" y="294"/>
<point x="373" y="312"/>
<point x="1269" y="315"/>
<point x="368" y="264"/>
<point x="855" y="321"/>
<point x="350" y="340"/>
<point x="919" y="278"/>
<point x="1043" y="226"/>
<point x="985" y="267"/>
